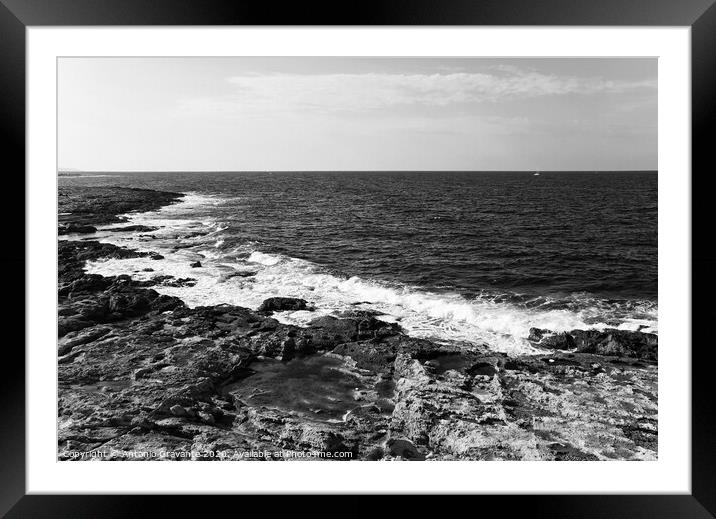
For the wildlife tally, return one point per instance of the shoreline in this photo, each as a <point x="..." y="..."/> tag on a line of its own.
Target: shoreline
<point x="242" y="273"/>
<point x="140" y="371"/>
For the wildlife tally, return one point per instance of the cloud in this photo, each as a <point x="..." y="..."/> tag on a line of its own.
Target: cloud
<point x="285" y="95"/>
<point x="375" y="91"/>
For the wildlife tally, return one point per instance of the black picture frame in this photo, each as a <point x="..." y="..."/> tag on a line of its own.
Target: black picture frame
<point x="700" y="15"/>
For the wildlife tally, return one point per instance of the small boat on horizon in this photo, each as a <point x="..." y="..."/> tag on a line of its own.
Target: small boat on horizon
<point x="536" y="174"/>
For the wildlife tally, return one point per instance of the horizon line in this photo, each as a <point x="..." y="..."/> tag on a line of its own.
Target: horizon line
<point x="60" y="171"/>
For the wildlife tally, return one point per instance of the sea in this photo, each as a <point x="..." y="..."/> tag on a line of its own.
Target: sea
<point x="455" y="257"/>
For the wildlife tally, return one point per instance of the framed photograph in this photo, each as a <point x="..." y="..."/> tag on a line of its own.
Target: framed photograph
<point x="417" y="249"/>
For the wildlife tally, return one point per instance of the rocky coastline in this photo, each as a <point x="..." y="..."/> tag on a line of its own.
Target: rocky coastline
<point x="141" y="372"/>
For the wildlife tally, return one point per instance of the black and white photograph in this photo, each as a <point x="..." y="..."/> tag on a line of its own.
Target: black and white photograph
<point x="357" y="259"/>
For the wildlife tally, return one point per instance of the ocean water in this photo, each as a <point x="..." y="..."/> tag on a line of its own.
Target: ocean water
<point x="472" y="257"/>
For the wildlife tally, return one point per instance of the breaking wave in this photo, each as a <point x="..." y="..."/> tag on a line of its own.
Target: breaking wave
<point x="239" y="273"/>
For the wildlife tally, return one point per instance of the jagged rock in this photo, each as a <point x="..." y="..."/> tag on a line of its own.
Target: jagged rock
<point x="239" y="274"/>
<point x="558" y="341"/>
<point x="132" y="228"/>
<point x="623" y="343"/>
<point x="617" y="342"/>
<point x="280" y="304"/>
<point x="405" y="449"/>
<point x="196" y="264"/>
<point x="66" y="325"/>
<point x="178" y="282"/>
<point x="327" y="331"/>
<point x="129" y="304"/>
<point x="536" y="334"/>
<point x="358" y="314"/>
<point x="165" y="280"/>
<point x="70" y="341"/>
<point x="70" y="228"/>
<point x="87" y="283"/>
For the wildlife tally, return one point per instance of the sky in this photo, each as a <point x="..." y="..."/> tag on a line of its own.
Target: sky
<point x="325" y="113"/>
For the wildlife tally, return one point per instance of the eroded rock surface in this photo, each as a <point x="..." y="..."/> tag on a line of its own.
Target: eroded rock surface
<point x="610" y="341"/>
<point x="103" y="205"/>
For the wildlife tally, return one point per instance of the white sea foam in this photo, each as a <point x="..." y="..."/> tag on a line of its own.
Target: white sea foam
<point x="447" y="317"/>
<point x="264" y="259"/>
